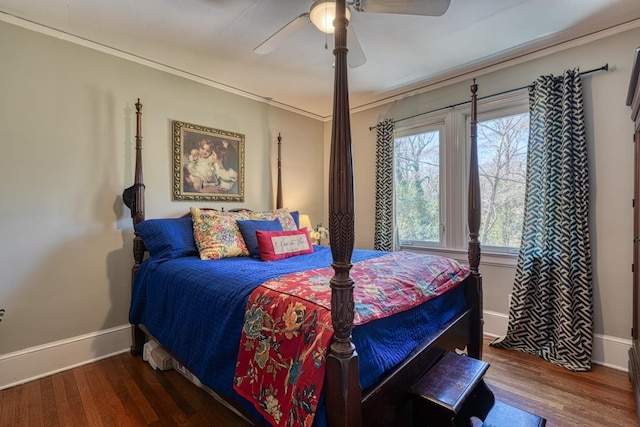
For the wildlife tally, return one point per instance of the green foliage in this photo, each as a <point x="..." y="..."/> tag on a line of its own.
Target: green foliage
<point x="502" y="155"/>
<point x="417" y="187"/>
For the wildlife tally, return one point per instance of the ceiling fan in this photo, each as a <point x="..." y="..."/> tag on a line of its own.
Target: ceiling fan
<point x="322" y="13"/>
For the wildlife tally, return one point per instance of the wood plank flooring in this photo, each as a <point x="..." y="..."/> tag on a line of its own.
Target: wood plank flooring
<point x="598" y="398"/>
<point x="124" y="391"/>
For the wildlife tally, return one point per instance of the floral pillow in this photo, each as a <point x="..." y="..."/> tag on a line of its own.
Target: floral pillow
<point x="275" y="245"/>
<point x="286" y="220"/>
<point x="217" y="234"/>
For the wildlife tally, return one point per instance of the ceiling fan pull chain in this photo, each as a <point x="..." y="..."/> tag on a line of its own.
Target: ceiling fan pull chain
<point x="326" y="35"/>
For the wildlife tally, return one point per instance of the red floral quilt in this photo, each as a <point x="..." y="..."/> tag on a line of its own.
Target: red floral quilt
<point x="287" y="328"/>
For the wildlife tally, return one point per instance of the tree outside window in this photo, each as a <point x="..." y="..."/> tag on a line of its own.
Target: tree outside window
<point x="417" y="187"/>
<point x="429" y="209"/>
<point x="502" y="158"/>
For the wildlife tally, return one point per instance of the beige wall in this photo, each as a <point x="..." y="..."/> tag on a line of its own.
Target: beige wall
<point x="609" y="132"/>
<point x="68" y="125"/>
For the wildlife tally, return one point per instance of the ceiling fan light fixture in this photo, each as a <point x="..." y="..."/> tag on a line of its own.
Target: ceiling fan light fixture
<point x="322" y="14"/>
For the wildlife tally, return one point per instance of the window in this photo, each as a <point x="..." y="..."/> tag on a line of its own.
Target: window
<point x="417" y="184"/>
<point x="502" y="164"/>
<point x="430" y="180"/>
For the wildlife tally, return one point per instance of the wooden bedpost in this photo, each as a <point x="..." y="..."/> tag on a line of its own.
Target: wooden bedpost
<point x="279" y="188"/>
<point x="343" y="393"/>
<point x="474" y="292"/>
<point x="133" y="197"/>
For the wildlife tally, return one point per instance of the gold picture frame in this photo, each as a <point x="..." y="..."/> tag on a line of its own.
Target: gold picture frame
<point x="208" y="164"/>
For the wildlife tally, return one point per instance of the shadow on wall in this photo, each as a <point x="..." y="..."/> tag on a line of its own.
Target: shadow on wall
<point x="118" y="266"/>
<point x="120" y="260"/>
<point x="66" y="292"/>
<point x="67" y="273"/>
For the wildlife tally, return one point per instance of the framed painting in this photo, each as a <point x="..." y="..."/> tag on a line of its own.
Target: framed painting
<point x="208" y="164"/>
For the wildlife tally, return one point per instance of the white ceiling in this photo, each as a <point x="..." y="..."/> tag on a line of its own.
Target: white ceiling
<point x="214" y="40"/>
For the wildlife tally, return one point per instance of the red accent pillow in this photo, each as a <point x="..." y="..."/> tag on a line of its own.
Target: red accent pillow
<point x="275" y="245"/>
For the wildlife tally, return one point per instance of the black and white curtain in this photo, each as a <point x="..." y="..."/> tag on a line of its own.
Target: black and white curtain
<point x="384" y="221"/>
<point x="551" y="312"/>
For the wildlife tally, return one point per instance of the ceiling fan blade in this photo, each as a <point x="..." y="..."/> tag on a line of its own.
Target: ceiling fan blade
<point x="403" y="7"/>
<point x="282" y="34"/>
<point x="355" y="57"/>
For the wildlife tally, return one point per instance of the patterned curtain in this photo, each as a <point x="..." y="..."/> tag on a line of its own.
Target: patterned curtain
<point x="551" y="312"/>
<point x="383" y="238"/>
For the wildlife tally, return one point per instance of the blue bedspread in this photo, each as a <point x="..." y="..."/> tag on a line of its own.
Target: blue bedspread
<point x="196" y="310"/>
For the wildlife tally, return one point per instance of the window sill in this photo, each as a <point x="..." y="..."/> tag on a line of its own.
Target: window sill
<point x="486" y="258"/>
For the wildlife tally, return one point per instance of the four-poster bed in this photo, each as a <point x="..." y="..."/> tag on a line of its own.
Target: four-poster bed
<point x="387" y="401"/>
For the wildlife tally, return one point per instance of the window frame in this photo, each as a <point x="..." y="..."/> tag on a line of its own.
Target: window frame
<point x="454" y="175"/>
<point x="440" y="122"/>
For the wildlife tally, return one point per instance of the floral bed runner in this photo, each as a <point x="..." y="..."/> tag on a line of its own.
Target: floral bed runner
<point x="287" y="327"/>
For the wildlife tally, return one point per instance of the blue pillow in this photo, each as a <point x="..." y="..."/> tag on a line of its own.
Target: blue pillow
<point x="248" y="230"/>
<point x="168" y="238"/>
<point x="296" y="218"/>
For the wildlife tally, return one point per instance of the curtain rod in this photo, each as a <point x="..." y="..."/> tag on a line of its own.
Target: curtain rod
<point x="605" y="67"/>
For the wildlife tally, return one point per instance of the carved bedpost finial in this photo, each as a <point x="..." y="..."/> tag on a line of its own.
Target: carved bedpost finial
<point x="474" y="186"/>
<point x="341" y="197"/>
<point x="279" y="203"/>
<point x="342" y="380"/>
<point x="474" y="290"/>
<point x="134" y="196"/>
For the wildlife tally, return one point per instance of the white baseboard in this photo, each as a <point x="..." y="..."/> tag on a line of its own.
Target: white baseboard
<point x="608" y="351"/>
<point x="37" y="362"/>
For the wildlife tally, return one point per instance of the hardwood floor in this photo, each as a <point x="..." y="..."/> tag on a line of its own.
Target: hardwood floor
<point x="124" y="391"/>
<point x="598" y="398"/>
<point x="119" y="391"/>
